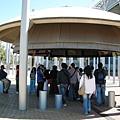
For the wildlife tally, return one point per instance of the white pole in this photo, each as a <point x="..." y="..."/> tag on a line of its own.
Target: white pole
<point x="119" y="69"/>
<point x="94" y="60"/>
<point x="108" y="67"/>
<point x="23" y="54"/>
<point x="7" y="57"/>
<point x="82" y="63"/>
<point x="55" y="61"/>
<point x="114" y="69"/>
<point x="47" y="62"/>
<point x="70" y="60"/>
<point x="13" y="65"/>
<point x="103" y="61"/>
<point x="64" y="59"/>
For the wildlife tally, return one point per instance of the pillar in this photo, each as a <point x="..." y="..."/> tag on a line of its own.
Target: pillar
<point x="23" y="54"/>
<point x="108" y="67"/>
<point x="114" y="69"/>
<point x="55" y="61"/>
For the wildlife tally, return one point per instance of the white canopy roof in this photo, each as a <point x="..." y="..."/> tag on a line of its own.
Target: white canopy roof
<point x="57" y="28"/>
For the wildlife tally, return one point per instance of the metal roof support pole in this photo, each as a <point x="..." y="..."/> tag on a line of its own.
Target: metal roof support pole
<point x="70" y="60"/>
<point x="82" y="63"/>
<point x="108" y="67"/>
<point x="55" y="61"/>
<point x="64" y="59"/>
<point x="114" y="69"/>
<point x="8" y="58"/>
<point x="13" y="64"/>
<point x="97" y="61"/>
<point x="23" y="54"/>
<point x="119" y="69"/>
<point x="94" y="61"/>
<point x="47" y="62"/>
<point x="103" y="61"/>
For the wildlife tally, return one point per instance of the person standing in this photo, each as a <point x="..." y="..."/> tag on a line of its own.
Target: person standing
<point x="17" y="79"/>
<point x="89" y="82"/>
<point x="100" y="75"/>
<point x="73" y="81"/>
<point x="63" y="81"/>
<point x="53" y="76"/>
<point x="32" y="80"/>
<point x="40" y="79"/>
<point x="3" y="78"/>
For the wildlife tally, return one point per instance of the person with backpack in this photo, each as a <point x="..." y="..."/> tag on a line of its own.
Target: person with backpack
<point x="100" y="75"/>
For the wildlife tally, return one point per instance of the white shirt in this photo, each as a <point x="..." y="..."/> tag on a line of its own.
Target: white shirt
<point x="89" y="84"/>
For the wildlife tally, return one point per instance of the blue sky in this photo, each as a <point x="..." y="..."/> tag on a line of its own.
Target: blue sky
<point x="12" y="8"/>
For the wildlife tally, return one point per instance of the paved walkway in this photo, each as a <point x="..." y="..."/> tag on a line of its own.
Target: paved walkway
<point x="9" y="107"/>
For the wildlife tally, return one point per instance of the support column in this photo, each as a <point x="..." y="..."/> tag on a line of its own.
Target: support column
<point x="94" y="60"/>
<point x="13" y="65"/>
<point x="70" y="60"/>
<point x="47" y="62"/>
<point x="23" y="54"/>
<point x="114" y="69"/>
<point x="82" y="63"/>
<point x="103" y="61"/>
<point x="8" y="57"/>
<point x="108" y="67"/>
<point x="55" y="61"/>
<point x="97" y="61"/>
<point x="119" y="69"/>
<point x="64" y="59"/>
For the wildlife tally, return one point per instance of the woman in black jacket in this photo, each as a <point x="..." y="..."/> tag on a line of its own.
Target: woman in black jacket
<point x="53" y="85"/>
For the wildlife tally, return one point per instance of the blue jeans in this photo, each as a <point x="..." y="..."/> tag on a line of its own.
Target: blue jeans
<point x="32" y="86"/>
<point x="63" y="89"/>
<point x="72" y="93"/>
<point x="86" y="103"/>
<point x="100" y="93"/>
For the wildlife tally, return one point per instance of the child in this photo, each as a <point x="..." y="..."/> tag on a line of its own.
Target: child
<point x="32" y="80"/>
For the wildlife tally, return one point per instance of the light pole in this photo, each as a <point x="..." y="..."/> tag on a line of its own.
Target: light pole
<point x="23" y="54"/>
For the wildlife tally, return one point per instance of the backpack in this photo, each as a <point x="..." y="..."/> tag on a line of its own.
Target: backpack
<point x="100" y="77"/>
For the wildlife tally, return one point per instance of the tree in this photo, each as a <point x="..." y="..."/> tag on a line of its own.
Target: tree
<point x="2" y="54"/>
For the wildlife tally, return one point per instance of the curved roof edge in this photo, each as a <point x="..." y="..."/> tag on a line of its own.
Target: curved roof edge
<point x="69" y="12"/>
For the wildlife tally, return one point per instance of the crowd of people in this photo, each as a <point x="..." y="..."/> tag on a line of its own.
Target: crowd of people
<point x="67" y="82"/>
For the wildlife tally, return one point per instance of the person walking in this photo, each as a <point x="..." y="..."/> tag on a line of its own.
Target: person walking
<point x="32" y="80"/>
<point x="63" y="81"/>
<point x="100" y="75"/>
<point x="73" y="81"/>
<point x="40" y="79"/>
<point x="89" y="82"/>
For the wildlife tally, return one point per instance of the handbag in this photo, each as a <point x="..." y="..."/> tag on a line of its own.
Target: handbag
<point x="81" y="90"/>
<point x="49" y="81"/>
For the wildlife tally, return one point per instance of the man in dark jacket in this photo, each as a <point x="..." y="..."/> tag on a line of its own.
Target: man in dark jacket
<point x="63" y="80"/>
<point x="3" y="78"/>
<point x="100" y="83"/>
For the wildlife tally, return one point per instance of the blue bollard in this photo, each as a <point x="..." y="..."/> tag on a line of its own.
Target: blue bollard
<point x="1" y="86"/>
<point x="58" y="101"/>
<point x="43" y="100"/>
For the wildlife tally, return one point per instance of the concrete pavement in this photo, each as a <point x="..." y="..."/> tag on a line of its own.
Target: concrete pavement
<point x="9" y="107"/>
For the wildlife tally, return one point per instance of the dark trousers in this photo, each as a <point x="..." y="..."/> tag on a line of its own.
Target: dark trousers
<point x="17" y="84"/>
<point x="53" y="87"/>
<point x="39" y="87"/>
